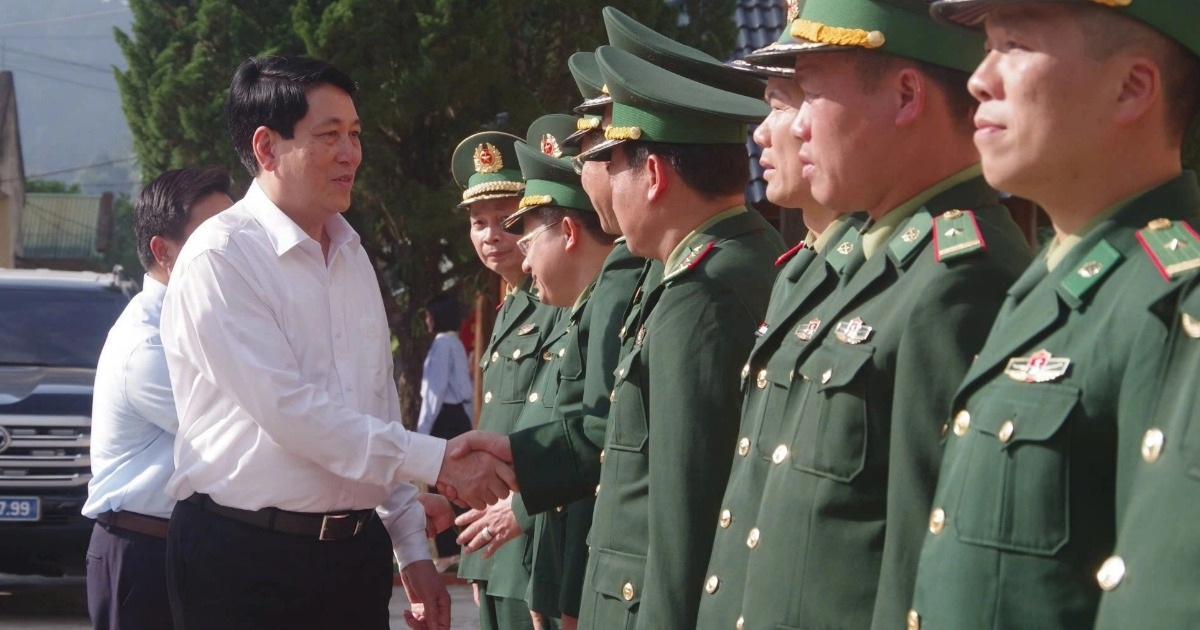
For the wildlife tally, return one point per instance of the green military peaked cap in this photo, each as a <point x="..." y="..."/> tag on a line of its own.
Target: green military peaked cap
<point x="550" y="133"/>
<point x="785" y="67"/>
<point x="899" y="27"/>
<point x="591" y="85"/>
<point x="485" y="164"/>
<point x="1177" y="19"/>
<point x="638" y="39"/>
<point x="655" y="105"/>
<point x="550" y="180"/>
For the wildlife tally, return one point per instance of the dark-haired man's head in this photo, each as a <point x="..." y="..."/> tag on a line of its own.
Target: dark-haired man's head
<point x="443" y="314"/>
<point x="170" y="208"/>
<point x="296" y="130"/>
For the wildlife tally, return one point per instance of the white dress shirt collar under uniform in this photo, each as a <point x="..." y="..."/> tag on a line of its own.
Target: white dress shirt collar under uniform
<point x="282" y="371"/>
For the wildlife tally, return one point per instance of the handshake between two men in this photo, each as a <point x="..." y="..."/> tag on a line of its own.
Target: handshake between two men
<point x="476" y="472"/>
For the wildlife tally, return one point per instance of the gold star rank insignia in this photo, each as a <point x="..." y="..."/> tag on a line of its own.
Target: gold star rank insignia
<point x="1041" y="367"/>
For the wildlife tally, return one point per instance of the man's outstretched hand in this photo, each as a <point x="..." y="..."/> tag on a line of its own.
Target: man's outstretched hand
<point x="476" y="469"/>
<point x="439" y="515"/>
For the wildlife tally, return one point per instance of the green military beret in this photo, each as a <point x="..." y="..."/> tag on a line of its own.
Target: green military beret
<point x="652" y="104"/>
<point x="1177" y="19"/>
<point x="485" y="165"/>
<point x="637" y="39"/>
<point x="785" y="67"/>
<point x="899" y="27"/>
<point x="550" y="180"/>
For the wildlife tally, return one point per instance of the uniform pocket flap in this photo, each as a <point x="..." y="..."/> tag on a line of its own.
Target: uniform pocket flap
<point x="626" y="363"/>
<point x="571" y="366"/>
<point x="834" y="366"/>
<point x="517" y="347"/>
<point x="619" y="575"/>
<point x="1025" y="412"/>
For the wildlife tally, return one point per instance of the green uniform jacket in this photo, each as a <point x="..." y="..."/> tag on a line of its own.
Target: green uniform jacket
<point x="559" y="463"/>
<point x="512" y="566"/>
<point x="1024" y="512"/>
<point x="674" y="410"/>
<point x="1155" y="575"/>
<point x="802" y="283"/>
<point x="509" y="364"/>
<point x="562" y="546"/>
<point x="855" y="450"/>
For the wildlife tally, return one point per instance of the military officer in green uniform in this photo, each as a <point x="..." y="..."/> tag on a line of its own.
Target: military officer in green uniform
<point x="839" y="443"/>
<point x="678" y="169"/>
<point x="1083" y="107"/>
<point x="485" y="165"/>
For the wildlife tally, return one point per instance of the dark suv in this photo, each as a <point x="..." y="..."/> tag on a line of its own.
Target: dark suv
<point x="52" y="327"/>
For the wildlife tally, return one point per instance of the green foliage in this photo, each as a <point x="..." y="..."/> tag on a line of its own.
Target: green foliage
<point x="50" y="186"/>
<point x="123" y="249"/>
<point x="431" y="72"/>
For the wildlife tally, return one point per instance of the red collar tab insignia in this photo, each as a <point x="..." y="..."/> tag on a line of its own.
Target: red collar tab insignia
<point x="789" y="254"/>
<point x="1041" y="367"/>
<point x="807" y="331"/>
<point x="527" y="329"/>
<point x="550" y="146"/>
<point x="762" y="329"/>
<point x="689" y="262"/>
<point x="956" y="234"/>
<point x="1173" y="246"/>
<point x="853" y="332"/>
<point x="488" y="159"/>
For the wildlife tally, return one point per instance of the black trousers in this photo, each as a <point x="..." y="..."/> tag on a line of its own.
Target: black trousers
<point x="127" y="580"/>
<point x="451" y="422"/>
<point x="227" y="575"/>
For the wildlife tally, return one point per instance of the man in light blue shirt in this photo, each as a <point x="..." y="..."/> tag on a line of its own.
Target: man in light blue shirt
<point x="133" y="416"/>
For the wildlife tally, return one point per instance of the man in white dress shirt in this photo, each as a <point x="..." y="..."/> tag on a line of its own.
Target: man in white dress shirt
<point x="133" y="416"/>
<point x="292" y="466"/>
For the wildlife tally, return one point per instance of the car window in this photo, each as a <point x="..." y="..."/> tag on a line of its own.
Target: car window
<point x="56" y="327"/>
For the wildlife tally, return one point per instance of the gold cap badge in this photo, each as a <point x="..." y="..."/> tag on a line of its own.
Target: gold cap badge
<point x="487" y="159"/>
<point x="550" y="146"/>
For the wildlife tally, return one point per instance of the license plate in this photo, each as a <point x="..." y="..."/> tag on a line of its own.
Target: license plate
<point x="20" y="509"/>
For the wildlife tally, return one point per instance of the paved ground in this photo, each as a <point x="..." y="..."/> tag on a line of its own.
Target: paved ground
<point x="42" y="604"/>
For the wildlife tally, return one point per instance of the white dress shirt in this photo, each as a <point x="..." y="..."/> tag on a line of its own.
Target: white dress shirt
<point x="445" y="380"/>
<point x="133" y="414"/>
<point x="282" y="372"/>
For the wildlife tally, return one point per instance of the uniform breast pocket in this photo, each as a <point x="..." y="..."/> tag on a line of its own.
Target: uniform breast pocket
<point x="771" y="391"/>
<point x="619" y="579"/>
<point x="831" y="430"/>
<point x="628" y="415"/>
<point x="518" y="361"/>
<point x="1014" y="492"/>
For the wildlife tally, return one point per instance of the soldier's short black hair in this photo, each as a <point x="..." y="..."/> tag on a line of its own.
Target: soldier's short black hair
<point x="445" y="311"/>
<point x="273" y="92"/>
<point x="874" y="66"/>
<point x="589" y="220"/>
<point x="712" y="170"/>
<point x="164" y="206"/>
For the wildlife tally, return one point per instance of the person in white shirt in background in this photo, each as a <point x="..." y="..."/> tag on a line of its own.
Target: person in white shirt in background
<point x="133" y="416"/>
<point x="293" y="470"/>
<point x="446" y="392"/>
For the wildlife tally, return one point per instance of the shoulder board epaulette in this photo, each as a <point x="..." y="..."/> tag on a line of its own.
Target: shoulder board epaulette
<point x="689" y="262"/>
<point x="789" y="254"/>
<point x="1092" y="268"/>
<point x="956" y="234"/>
<point x="1173" y="246"/>
<point x="910" y="238"/>
<point x="837" y="255"/>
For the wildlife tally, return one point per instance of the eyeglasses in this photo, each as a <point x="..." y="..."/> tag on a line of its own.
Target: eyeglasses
<point x="524" y="242"/>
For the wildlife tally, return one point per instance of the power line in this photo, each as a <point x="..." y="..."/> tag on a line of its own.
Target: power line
<point x="68" y="62"/>
<point x="76" y="169"/>
<point x="66" y="18"/>
<point x="54" y="78"/>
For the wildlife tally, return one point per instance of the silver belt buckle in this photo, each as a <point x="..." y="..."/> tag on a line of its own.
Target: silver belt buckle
<point x="329" y="518"/>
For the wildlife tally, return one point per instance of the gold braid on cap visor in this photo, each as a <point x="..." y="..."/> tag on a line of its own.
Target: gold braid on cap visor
<point x="837" y="36"/>
<point x="587" y="123"/>
<point x="623" y="133"/>
<point x="488" y="188"/>
<point x="535" y="200"/>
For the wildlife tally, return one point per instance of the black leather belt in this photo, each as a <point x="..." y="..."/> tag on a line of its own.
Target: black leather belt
<point x="134" y="522"/>
<point x="332" y="526"/>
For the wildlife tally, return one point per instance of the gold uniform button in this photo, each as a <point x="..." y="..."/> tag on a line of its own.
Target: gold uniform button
<point x="487" y="398"/>
<point x="517" y="353"/>
<point x="558" y="509"/>
<point x="1152" y="445"/>
<point x="627" y="591"/>
<point x="744" y="447"/>
<point x="1006" y="431"/>
<point x="547" y="355"/>
<point x="601" y="456"/>
<point x="962" y="422"/>
<point x="937" y="521"/>
<point x="762" y="379"/>
<point x="780" y="454"/>
<point x="745" y="370"/>
<point x="622" y="333"/>
<point x="726" y="519"/>
<point x="562" y="352"/>
<point x="914" y="621"/>
<point x="712" y="585"/>
<point x="533" y="397"/>
<point x="612" y="396"/>
<point x="791" y="375"/>
<point x="1111" y="573"/>
<point x="621" y="373"/>
<point x="945" y="429"/>
<point x="495" y="357"/>
<point x="825" y="376"/>
<point x="740" y="622"/>
<point x="752" y="539"/>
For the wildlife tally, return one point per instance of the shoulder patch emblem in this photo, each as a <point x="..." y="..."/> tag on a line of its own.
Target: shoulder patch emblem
<point x="1173" y="246"/>
<point x="911" y="238"/>
<point x="956" y="234"/>
<point x="789" y="254"/>
<point x="690" y="261"/>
